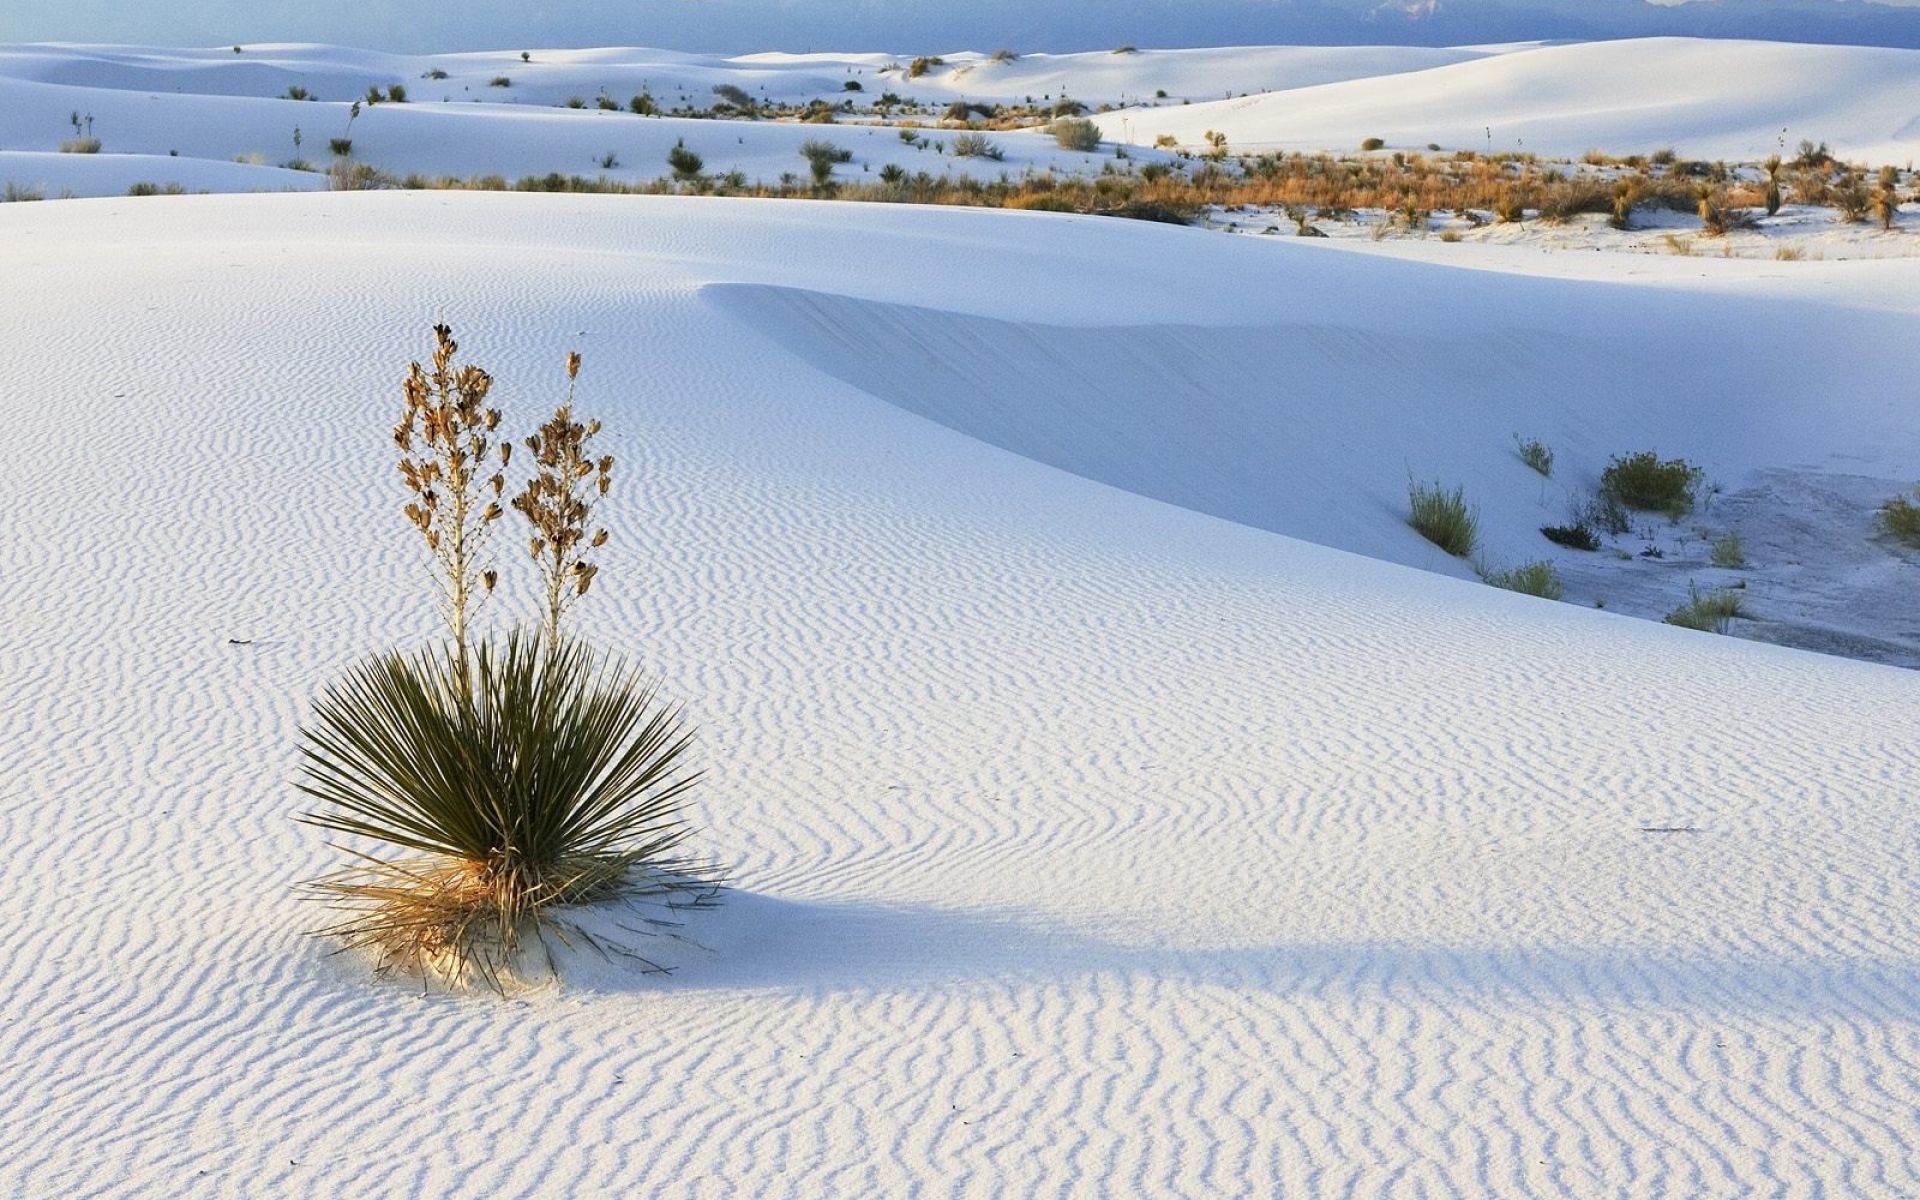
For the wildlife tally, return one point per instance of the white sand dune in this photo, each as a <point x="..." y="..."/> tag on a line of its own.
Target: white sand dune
<point x="1709" y="99"/>
<point x="201" y="109"/>
<point x="1084" y="842"/>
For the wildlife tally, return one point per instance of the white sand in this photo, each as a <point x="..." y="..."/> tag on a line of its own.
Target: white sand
<point x="1091" y="833"/>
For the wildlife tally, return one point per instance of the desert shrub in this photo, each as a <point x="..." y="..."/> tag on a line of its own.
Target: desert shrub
<point x="1045" y="202"/>
<point x="1534" y="579"/>
<point x="820" y="149"/>
<point x="576" y="101"/>
<point x="641" y="105"/>
<point x="1728" y="550"/>
<point x="734" y="97"/>
<point x="1373" y="143"/>
<point x="346" y="175"/>
<point x="685" y="163"/>
<point x="920" y="66"/>
<point x="18" y="193"/>
<point x="1851" y="199"/>
<point x="1535" y="453"/>
<point x="821" y="155"/>
<point x="296" y="92"/>
<point x="607" y="104"/>
<point x="397" y="93"/>
<point x="84" y="145"/>
<point x="500" y="81"/>
<point x="893" y="173"/>
<point x="1813" y="155"/>
<point x="976" y="145"/>
<point x="435" y="74"/>
<point x="341" y="147"/>
<point x="1569" y="198"/>
<point x="1711" y="610"/>
<point x="1575" y="535"/>
<point x="1075" y="133"/>
<point x="1443" y="518"/>
<point x="523" y="777"/>
<point x="1646" y="483"/>
<point x="1899" y="518"/>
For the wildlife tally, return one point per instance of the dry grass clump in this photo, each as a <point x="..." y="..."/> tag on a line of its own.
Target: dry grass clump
<point x="1710" y="611"/>
<point x="1443" y="518"/>
<point x="1534" y="579"/>
<point x="1899" y="519"/>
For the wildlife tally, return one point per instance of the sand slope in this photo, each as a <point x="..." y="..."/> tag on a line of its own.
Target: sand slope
<point x="1085" y="844"/>
<point x="1710" y="99"/>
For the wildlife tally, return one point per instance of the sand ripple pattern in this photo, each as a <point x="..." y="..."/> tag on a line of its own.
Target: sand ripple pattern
<point x="1084" y="845"/>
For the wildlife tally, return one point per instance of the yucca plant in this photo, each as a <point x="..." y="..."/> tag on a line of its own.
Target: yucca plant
<point x="527" y="776"/>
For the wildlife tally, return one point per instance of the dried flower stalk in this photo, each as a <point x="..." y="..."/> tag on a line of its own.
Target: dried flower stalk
<point x="558" y="502"/>
<point x="445" y="453"/>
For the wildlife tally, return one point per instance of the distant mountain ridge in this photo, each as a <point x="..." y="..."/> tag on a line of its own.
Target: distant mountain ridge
<point x="937" y="26"/>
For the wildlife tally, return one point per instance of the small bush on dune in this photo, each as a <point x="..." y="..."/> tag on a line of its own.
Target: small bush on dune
<point x="1533" y="579"/>
<point x="685" y="163"/>
<point x="1646" y="483"/>
<point x="1536" y="454"/>
<point x="1900" y="519"/>
<point x="1710" y="611"/>
<point x="85" y="145"/>
<point x="1729" y="551"/>
<point x="976" y="145"/>
<point x="1075" y="133"/>
<point x="1443" y="518"/>
<point x="1575" y="535"/>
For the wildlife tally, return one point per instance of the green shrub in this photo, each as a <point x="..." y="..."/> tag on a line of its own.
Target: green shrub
<point x="685" y="163"/>
<point x="641" y="105"/>
<point x="1075" y="133"/>
<point x="1373" y="143"/>
<point x="500" y="81"/>
<point x="1443" y="518"/>
<point x="1710" y="611"/>
<point x="1534" y="579"/>
<point x="85" y="145"/>
<point x="507" y="782"/>
<point x="1728" y="550"/>
<point x="976" y="145"/>
<point x="1575" y="535"/>
<point x="1645" y="483"/>
<point x="1900" y="519"/>
<point x="341" y="147"/>
<point x="1535" y="454"/>
<point x="920" y="66"/>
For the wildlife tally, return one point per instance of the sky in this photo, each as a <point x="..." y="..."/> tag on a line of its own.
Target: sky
<point x="893" y="26"/>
